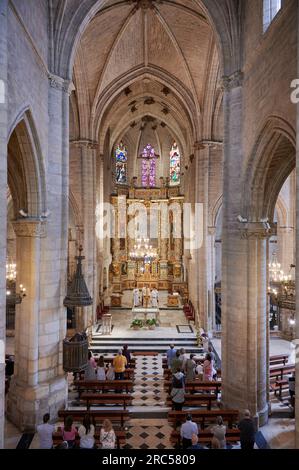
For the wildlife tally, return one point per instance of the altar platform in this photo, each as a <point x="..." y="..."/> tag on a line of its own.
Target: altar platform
<point x="142" y="313"/>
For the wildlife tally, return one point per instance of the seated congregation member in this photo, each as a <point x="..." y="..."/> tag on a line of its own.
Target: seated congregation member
<point x="107" y="435"/>
<point x="176" y="363"/>
<point x="90" y="371"/>
<point x="119" y="364"/>
<point x="86" y="432"/>
<point x="171" y="354"/>
<point x="127" y="354"/>
<point x="219" y="432"/>
<point x="190" y="367"/>
<point x="110" y="375"/>
<point x="69" y="432"/>
<point x="247" y="431"/>
<point x="178" y="391"/>
<point x="187" y="430"/>
<point x="45" y="433"/>
<point x="208" y="369"/>
<point x="195" y="444"/>
<point x="101" y="371"/>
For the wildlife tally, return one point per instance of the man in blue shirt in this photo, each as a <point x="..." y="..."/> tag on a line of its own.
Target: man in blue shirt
<point x="187" y="430"/>
<point x="171" y="354"/>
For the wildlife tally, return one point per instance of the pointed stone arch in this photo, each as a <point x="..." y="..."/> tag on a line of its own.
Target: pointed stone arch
<point x="26" y="169"/>
<point x="272" y="160"/>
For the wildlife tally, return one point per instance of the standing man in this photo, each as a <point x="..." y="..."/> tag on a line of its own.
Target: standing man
<point x="45" y="433"/>
<point x="187" y="430"/>
<point x="247" y="431"/>
<point x="119" y="364"/>
<point x="136" y="297"/>
<point x="155" y="298"/>
<point x="171" y="354"/>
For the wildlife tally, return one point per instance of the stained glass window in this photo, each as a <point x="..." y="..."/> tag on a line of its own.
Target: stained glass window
<point x="148" y="168"/>
<point x="175" y="165"/>
<point x="121" y="156"/>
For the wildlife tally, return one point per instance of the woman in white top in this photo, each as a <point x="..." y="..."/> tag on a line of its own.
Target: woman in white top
<point x="101" y="371"/>
<point x="219" y="432"/>
<point x="86" y="433"/>
<point x="110" y="373"/>
<point x="107" y="435"/>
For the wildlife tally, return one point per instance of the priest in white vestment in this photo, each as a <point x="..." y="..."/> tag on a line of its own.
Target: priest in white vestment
<point x="155" y="298"/>
<point x="136" y="300"/>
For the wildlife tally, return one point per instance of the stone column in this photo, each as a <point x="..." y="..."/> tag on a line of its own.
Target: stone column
<point x="244" y="290"/>
<point x="297" y="259"/>
<point x="3" y="201"/>
<point x="211" y="278"/>
<point x="42" y="386"/>
<point x="202" y="153"/>
<point x="88" y="204"/>
<point x="24" y="395"/>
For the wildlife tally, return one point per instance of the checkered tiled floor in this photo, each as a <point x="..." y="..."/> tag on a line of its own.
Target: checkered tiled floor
<point x="148" y="384"/>
<point x="148" y="434"/>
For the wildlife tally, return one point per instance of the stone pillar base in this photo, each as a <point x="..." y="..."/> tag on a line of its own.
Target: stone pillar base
<point x="27" y="405"/>
<point x="263" y="416"/>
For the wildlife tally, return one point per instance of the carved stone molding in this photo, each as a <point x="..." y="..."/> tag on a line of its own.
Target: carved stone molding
<point x="145" y="4"/>
<point x="229" y="82"/>
<point x="61" y="84"/>
<point x="30" y="228"/>
<point x="85" y="143"/>
<point x="257" y="230"/>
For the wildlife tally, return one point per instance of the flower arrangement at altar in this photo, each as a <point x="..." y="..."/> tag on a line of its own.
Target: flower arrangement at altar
<point x="136" y="324"/>
<point x="151" y="323"/>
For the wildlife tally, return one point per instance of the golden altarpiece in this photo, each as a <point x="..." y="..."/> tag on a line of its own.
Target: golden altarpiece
<point x="165" y="271"/>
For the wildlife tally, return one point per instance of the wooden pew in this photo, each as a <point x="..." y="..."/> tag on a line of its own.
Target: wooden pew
<point x="205" y="437"/>
<point x="101" y="385"/>
<point x="128" y="374"/>
<point x="279" y="386"/>
<point x="204" y="417"/>
<point x="279" y="372"/>
<point x="98" y="416"/>
<point x="167" y="373"/>
<point x="196" y="400"/>
<point x="106" y="399"/>
<point x="109" y="360"/>
<point x="197" y="386"/>
<point x="120" y="438"/>
<point x="279" y="359"/>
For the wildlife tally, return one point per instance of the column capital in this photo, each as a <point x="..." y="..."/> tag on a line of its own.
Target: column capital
<point x="229" y="82"/>
<point x="29" y="228"/>
<point x="257" y="230"/>
<point x="85" y="143"/>
<point x="67" y="86"/>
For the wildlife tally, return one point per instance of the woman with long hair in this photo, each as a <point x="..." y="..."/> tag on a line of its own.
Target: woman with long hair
<point x="69" y="432"/>
<point x="107" y="435"/>
<point x="86" y="432"/>
<point x="101" y="371"/>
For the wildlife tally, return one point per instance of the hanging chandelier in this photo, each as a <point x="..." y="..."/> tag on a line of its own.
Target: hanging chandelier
<point x="143" y="251"/>
<point x="276" y="273"/>
<point x="12" y="296"/>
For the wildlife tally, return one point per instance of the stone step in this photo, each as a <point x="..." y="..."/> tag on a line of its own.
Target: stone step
<point x="133" y="347"/>
<point x="191" y="341"/>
